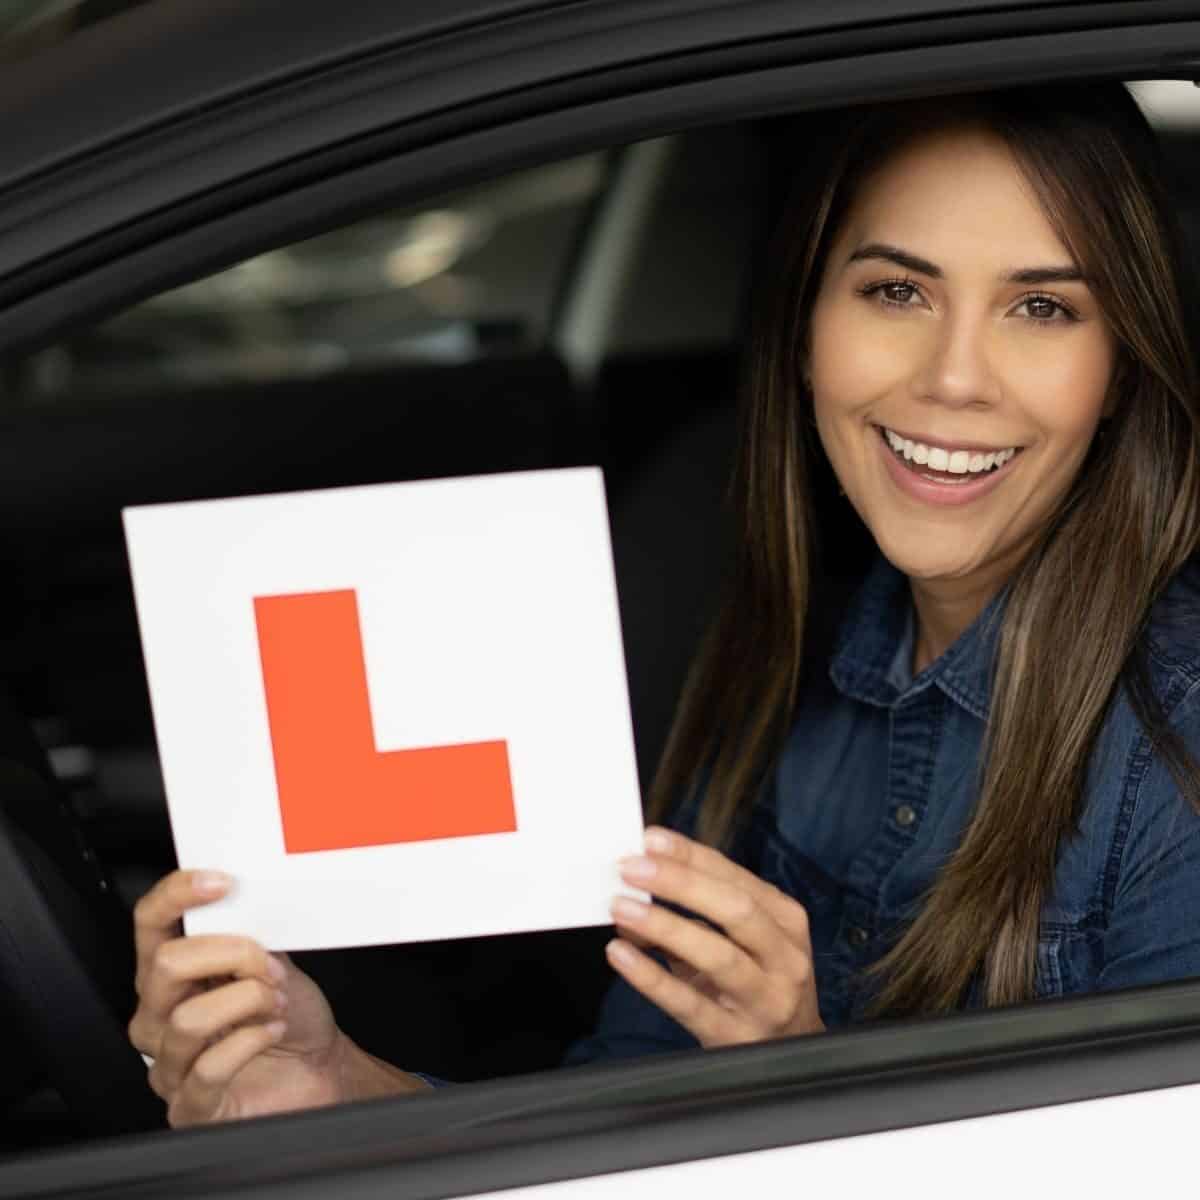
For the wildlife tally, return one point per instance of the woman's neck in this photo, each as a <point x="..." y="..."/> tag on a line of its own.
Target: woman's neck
<point x="944" y="610"/>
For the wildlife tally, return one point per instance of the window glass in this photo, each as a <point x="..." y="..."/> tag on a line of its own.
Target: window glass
<point x="473" y="274"/>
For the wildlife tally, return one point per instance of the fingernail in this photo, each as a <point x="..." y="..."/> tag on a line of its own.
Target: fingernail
<point x="277" y="1029"/>
<point x="281" y="1000"/>
<point x="628" y="909"/>
<point x="276" y="969"/>
<point x="639" y="869"/>
<point x="660" y="841"/>
<point x="621" y="953"/>
<point x="211" y="883"/>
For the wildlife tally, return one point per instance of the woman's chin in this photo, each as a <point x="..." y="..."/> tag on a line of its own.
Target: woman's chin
<point x="929" y="567"/>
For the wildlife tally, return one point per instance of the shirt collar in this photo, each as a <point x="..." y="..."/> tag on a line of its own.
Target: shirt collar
<point x="877" y="630"/>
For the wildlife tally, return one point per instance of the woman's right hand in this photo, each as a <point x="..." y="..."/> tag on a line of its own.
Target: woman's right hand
<point x="233" y="1030"/>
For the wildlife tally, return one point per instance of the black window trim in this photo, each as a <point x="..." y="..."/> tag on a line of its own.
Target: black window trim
<point x="673" y="1108"/>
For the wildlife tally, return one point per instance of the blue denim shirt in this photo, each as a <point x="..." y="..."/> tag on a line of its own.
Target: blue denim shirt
<point x="877" y="782"/>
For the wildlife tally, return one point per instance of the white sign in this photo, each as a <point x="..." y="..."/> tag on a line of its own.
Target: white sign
<point x="395" y="712"/>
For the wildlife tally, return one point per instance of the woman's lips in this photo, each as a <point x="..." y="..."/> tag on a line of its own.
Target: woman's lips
<point x="915" y="481"/>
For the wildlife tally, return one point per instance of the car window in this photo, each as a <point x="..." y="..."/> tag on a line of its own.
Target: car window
<point x="475" y="273"/>
<point x="438" y="339"/>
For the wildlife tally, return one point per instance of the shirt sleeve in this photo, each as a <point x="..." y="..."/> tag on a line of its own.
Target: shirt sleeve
<point x="1153" y="933"/>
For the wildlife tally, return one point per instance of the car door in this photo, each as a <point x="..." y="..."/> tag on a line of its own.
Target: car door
<point x="171" y="144"/>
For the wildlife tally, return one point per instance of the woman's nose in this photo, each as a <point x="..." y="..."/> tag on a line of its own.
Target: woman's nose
<point x="956" y="370"/>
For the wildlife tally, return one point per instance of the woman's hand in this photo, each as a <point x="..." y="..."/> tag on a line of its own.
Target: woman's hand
<point x="233" y="1031"/>
<point x="749" y="979"/>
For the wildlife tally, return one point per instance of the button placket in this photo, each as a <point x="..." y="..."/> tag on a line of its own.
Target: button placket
<point x="914" y="734"/>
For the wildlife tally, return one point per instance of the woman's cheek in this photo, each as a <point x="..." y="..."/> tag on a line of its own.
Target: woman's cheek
<point x="1059" y="400"/>
<point x="859" y="358"/>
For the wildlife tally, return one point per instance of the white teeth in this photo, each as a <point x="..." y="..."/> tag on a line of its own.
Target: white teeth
<point x="957" y="462"/>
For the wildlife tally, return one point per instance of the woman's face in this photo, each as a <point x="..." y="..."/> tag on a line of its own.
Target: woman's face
<point x="959" y="364"/>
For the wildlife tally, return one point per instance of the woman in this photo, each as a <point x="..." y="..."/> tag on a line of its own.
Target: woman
<point x="982" y="789"/>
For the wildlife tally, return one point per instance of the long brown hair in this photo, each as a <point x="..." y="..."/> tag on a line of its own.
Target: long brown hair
<point x="1077" y="604"/>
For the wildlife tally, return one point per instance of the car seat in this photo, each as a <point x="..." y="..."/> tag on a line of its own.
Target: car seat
<point x="66" y="955"/>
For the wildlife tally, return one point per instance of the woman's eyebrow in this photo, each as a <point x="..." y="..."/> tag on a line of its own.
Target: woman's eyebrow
<point x="1028" y="276"/>
<point x="893" y="254"/>
<point x="1037" y="275"/>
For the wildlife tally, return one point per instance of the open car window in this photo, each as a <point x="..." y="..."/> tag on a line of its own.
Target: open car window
<point x="552" y="316"/>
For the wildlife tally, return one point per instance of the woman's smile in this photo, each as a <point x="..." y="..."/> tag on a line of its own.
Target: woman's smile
<point x="934" y="473"/>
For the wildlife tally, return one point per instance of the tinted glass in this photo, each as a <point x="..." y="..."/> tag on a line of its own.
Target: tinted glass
<point x="472" y="275"/>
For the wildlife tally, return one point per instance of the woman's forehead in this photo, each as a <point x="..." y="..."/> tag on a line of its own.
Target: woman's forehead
<point x="950" y="195"/>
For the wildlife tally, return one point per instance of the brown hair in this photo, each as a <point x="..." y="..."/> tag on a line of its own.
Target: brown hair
<point x="1129" y="522"/>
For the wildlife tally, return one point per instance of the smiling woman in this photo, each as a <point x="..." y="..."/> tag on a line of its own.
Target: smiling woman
<point x="974" y="785"/>
<point x="982" y="793"/>
<point x="918" y="379"/>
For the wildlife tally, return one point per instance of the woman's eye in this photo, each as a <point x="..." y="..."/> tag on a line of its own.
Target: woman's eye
<point x="896" y="291"/>
<point x="899" y="293"/>
<point x="1044" y="308"/>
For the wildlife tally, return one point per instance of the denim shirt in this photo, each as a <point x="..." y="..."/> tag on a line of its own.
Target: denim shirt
<point x="877" y="782"/>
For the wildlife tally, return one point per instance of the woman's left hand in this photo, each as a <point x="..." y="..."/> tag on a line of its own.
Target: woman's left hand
<point x="748" y="980"/>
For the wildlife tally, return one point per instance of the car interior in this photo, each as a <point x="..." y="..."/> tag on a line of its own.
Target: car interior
<point x="624" y="357"/>
<point x="589" y="312"/>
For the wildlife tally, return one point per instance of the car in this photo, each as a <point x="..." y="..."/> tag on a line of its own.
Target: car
<point x="249" y="247"/>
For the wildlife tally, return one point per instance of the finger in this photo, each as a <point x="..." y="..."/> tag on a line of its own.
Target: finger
<point x="786" y="911"/>
<point x="158" y="915"/>
<point x="732" y="907"/>
<point x="677" y="966"/>
<point x="181" y="966"/>
<point x="704" y="951"/>
<point x="631" y="935"/>
<point x="198" y="1022"/>
<point x="203" y="1092"/>
<point x="706" y="1020"/>
<point x="697" y="979"/>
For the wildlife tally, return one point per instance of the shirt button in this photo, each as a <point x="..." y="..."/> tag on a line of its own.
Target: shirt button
<point x="905" y="815"/>
<point x="858" y="935"/>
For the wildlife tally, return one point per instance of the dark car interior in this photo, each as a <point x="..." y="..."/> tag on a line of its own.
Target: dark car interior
<point x="655" y="409"/>
<point x="657" y="418"/>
